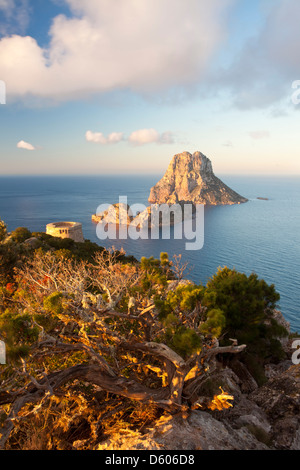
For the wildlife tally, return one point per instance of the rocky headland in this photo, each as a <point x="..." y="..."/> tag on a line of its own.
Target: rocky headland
<point x="190" y="178"/>
<point x="262" y="417"/>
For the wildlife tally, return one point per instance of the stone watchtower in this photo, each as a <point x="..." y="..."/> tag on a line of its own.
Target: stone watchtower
<point x="71" y="230"/>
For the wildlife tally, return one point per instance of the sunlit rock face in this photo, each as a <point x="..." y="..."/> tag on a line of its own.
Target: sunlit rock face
<point x="190" y="178"/>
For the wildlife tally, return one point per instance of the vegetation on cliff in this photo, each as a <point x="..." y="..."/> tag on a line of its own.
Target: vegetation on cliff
<point x="96" y="340"/>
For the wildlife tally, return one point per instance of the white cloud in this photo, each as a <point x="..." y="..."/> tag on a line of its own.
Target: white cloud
<point x="143" y="46"/>
<point x="115" y="137"/>
<point x="147" y="136"/>
<point x="96" y="137"/>
<point x="144" y="136"/>
<point x="139" y="137"/>
<point x="99" y="138"/>
<point x="25" y="145"/>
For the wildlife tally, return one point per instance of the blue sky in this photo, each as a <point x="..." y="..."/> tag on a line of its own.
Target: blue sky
<point x="120" y="86"/>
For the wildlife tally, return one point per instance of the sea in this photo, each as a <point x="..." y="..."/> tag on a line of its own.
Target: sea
<point x="260" y="236"/>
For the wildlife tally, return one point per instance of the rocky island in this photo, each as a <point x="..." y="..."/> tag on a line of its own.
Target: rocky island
<point x="190" y="178"/>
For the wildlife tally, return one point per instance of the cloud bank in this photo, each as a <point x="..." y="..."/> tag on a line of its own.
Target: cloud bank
<point x="143" y="46"/>
<point x="99" y="138"/>
<point x="155" y="46"/>
<point x="139" y="137"/>
<point x="146" y="136"/>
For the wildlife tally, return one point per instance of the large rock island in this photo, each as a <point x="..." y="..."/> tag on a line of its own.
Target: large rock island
<point x="190" y="178"/>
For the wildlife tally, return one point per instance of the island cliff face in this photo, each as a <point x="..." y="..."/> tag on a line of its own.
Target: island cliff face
<point x="190" y="178"/>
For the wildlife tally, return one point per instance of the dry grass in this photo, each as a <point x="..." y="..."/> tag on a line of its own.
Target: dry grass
<point x="71" y="419"/>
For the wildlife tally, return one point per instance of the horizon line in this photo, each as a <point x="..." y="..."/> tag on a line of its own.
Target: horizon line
<point x="94" y="175"/>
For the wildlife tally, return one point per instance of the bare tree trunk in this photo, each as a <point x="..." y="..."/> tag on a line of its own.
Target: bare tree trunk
<point x="89" y="373"/>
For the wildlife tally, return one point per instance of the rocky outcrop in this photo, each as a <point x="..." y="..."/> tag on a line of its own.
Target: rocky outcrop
<point x="197" y="431"/>
<point x="152" y="216"/>
<point x="259" y="417"/>
<point x="190" y="178"/>
<point x="118" y="214"/>
<point x="265" y="417"/>
<point x="279" y="398"/>
<point x="268" y="418"/>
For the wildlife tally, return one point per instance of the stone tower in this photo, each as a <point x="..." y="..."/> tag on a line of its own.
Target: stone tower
<point x="71" y="230"/>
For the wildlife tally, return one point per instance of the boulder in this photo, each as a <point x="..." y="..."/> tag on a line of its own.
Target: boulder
<point x="198" y="431"/>
<point x="279" y="398"/>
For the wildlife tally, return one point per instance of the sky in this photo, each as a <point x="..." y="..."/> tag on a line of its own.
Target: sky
<point x="120" y="86"/>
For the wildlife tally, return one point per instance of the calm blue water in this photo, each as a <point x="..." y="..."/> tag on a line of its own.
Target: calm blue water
<point x="259" y="236"/>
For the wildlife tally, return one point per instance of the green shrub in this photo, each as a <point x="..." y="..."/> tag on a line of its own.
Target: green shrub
<point x="18" y="332"/>
<point x="20" y="234"/>
<point x="181" y="339"/>
<point x="214" y="324"/>
<point x="247" y="303"/>
<point x="53" y="303"/>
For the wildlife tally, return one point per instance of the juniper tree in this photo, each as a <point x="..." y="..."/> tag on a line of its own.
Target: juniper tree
<point x="74" y="320"/>
<point x="247" y="304"/>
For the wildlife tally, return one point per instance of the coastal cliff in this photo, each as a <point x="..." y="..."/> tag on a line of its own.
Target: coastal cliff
<point x="164" y="372"/>
<point x="267" y="418"/>
<point x="190" y="178"/>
